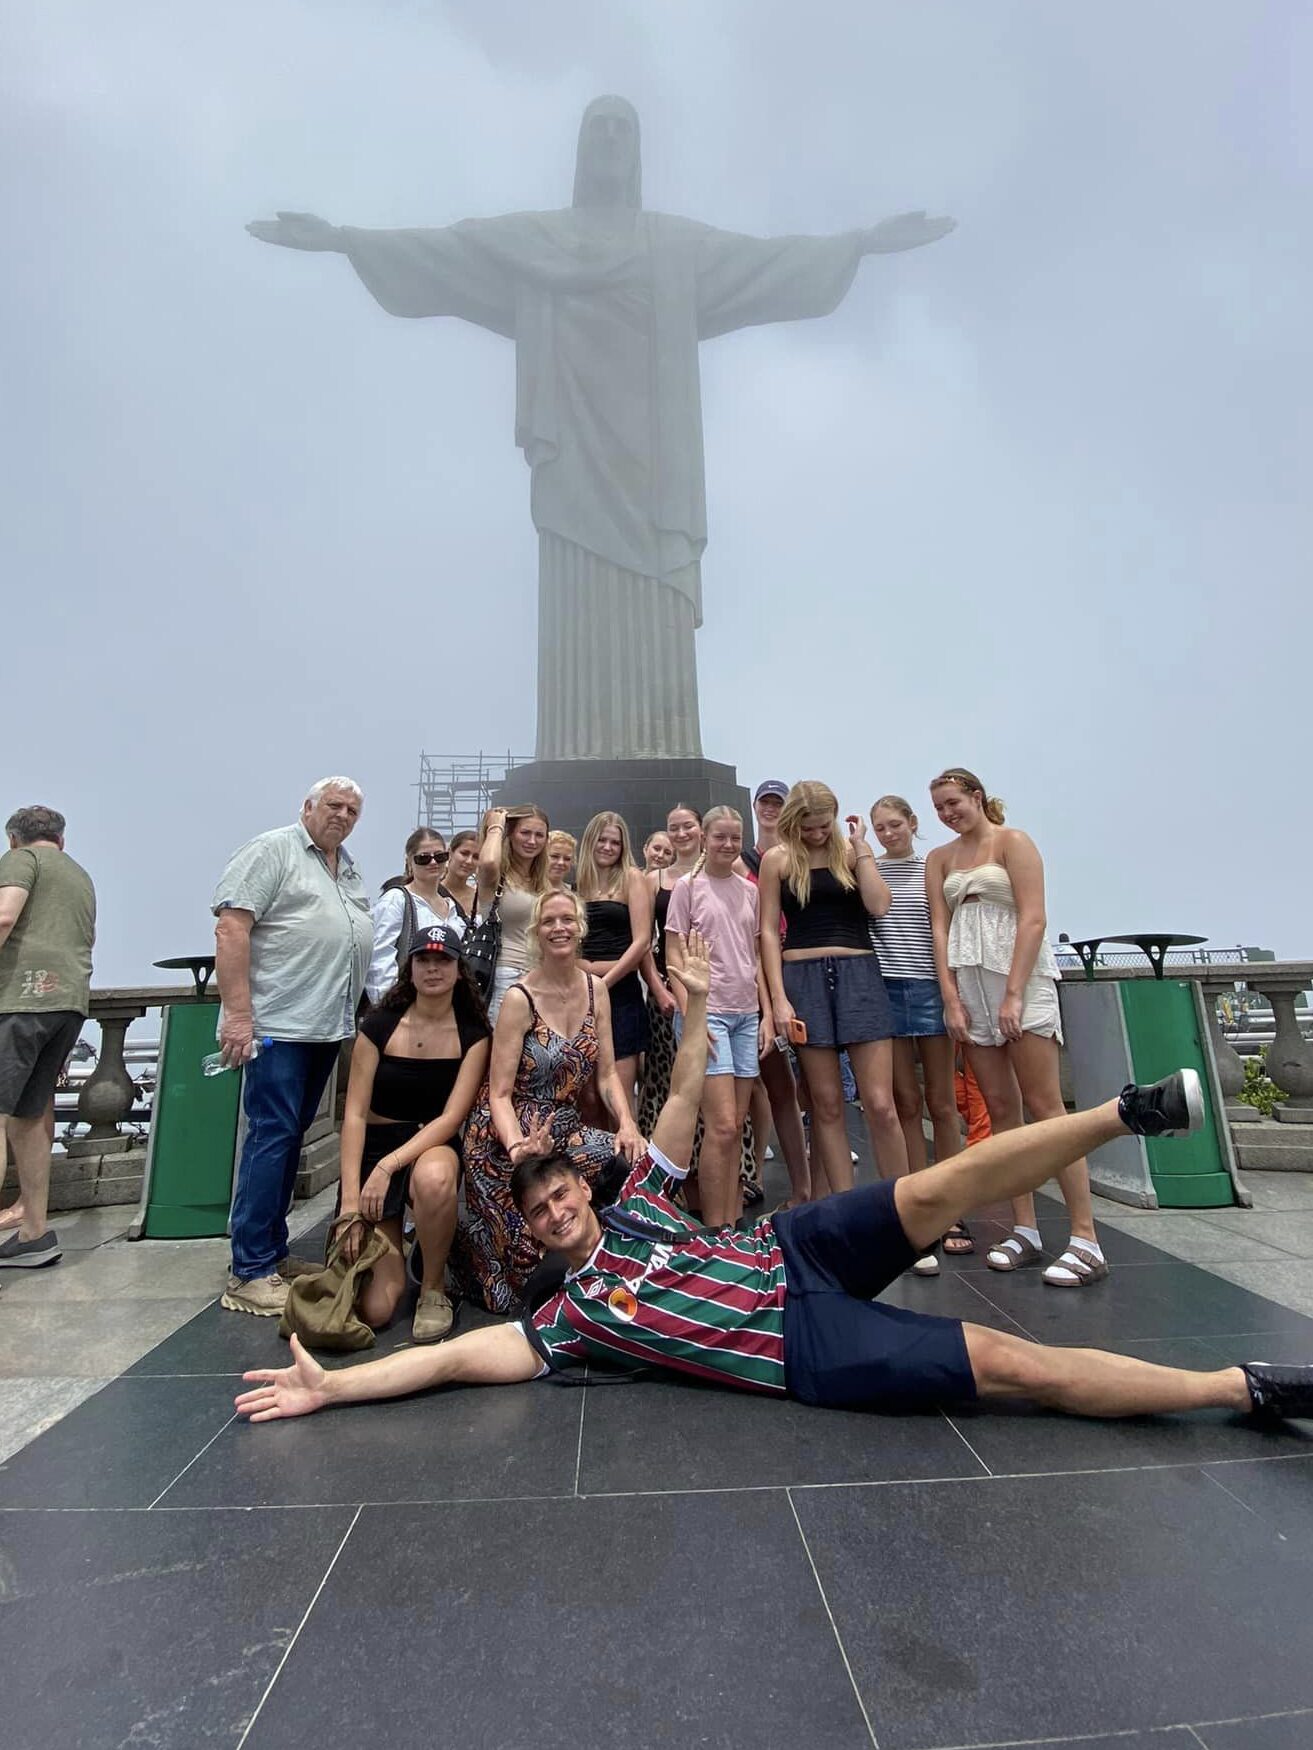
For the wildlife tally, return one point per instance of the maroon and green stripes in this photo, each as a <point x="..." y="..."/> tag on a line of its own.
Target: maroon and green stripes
<point x="710" y="1304"/>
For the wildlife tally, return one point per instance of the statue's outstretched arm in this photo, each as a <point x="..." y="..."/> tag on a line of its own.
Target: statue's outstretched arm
<point x="904" y="231"/>
<point x="298" y="231"/>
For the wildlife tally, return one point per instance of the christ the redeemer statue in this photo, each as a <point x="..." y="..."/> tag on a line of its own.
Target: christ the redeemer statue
<point x="606" y="305"/>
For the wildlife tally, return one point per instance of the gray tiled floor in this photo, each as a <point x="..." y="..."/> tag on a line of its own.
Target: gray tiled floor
<point x="657" y="1563"/>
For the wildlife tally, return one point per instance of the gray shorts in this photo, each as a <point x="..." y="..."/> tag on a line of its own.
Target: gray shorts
<point x="841" y="999"/>
<point x="32" y="1052"/>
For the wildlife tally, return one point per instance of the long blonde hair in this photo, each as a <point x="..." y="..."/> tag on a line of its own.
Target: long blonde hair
<point x="533" y="948"/>
<point x="535" y="880"/>
<point x="970" y="783"/>
<point x="588" y="877"/>
<point x="811" y="797"/>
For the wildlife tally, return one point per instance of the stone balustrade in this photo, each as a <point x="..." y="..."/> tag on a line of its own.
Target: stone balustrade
<point x="1288" y="1060"/>
<point x="106" y="1163"/>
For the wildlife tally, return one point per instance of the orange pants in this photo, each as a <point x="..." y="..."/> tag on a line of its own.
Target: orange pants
<point x="970" y="1102"/>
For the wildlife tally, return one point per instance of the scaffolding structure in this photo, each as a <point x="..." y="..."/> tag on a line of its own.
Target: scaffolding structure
<point x="455" y="789"/>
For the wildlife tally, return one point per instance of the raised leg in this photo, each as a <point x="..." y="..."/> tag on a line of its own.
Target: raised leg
<point x="1004" y="1167"/>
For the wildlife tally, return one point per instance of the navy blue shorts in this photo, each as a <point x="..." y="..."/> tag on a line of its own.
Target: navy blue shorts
<point x="841" y="998"/>
<point x="842" y="1348"/>
<point x="629" y="1030"/>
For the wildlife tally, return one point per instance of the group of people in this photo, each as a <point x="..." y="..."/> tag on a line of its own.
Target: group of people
<point x="766" y="963"/>
<point x="831" y="956"/>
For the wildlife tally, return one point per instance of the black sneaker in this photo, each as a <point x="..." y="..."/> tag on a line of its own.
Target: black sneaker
<point x="1171" y="1107"/>
<point x="1279" y="1391"/>
<point x="31" y="1254"/>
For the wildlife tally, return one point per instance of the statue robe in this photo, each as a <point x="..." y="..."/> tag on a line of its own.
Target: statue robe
<point x="606" y="314"/>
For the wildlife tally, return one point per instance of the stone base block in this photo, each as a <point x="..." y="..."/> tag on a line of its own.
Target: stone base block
<point x="320" y="1164"/>
<point x="1238" y="1113"/>
<point x="1266" y="1147"/>
<point x="1290" y="1112"/>
<point x="87" y="1181"/>
<point x="644" y="791"/>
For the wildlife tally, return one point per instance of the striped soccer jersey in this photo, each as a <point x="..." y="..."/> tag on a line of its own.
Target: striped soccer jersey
<point x="706" y="1303"/>
<point x="902" y="937"/>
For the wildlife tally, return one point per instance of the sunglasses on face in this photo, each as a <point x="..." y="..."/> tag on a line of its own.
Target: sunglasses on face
<point x="424" y="858"/>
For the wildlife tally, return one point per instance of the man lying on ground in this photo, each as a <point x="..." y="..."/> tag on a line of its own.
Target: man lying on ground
<point x="789" y="1306"/>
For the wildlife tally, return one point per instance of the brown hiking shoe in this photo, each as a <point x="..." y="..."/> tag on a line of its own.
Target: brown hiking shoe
<point x="290" y="1267"/>
<point x="265" y="1296"/>
<point x="433" y="1317"/>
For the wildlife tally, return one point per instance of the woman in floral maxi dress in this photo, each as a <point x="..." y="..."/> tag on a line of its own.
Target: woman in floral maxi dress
<point x="553" y="1036"/>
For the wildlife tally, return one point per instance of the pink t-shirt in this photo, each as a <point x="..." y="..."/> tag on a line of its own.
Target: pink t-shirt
<point x="726" y="911"/>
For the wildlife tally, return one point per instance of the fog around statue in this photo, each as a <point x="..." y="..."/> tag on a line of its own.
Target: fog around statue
<point x="606" y="304"/>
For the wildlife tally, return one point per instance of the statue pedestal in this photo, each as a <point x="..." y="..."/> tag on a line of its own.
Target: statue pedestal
<point x="570" y="792"/>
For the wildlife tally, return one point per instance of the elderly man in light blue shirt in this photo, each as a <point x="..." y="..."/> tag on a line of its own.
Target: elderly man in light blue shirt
<point x="293" y="940"/>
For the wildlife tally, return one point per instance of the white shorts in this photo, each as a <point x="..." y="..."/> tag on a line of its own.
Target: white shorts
<point x="982" y="992"/>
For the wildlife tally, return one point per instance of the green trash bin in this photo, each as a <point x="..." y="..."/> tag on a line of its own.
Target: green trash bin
<point x="1139" y="1029"/>
<point x="191" y="1152"/>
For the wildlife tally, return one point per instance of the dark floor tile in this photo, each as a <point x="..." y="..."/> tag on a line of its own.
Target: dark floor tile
<point x="1282" y="1346"/>
<point x="1047" y="1607"/>
<point x="216" y="1341"/>
<point x="1276" y="1732"/>
<point x="120" y="1448"/>
<point x="1170" y="1299"/>
<point x="1055" y="1231"/>
<point x="951" y="1294"/>
<point x="461" y="1444"/>
<point x="159" y="1629"/>
<point x="1280" y="1494"/>
<point x="1019" y="1439"/>
<point x="689" y="1619"/>
<point x="664" y="1434"/>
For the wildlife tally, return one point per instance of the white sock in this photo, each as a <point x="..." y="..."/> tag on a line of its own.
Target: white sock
<point x="1028" y="1233"/>
<point x="1091" y="1246"/>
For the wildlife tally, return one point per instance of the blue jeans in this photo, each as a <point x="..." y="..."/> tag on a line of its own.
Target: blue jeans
<point x="284" y="1086"/>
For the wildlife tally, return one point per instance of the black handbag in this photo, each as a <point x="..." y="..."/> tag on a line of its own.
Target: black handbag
<point x="481" y="945"/>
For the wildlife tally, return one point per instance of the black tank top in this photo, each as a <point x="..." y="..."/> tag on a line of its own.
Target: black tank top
<point x="833" y="917"/>
<point x="662" y="910"/>
<point x="412" y="1089"/>
<point x="609" y="934"/>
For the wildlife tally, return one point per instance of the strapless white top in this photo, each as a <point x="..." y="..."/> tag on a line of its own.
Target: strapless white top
<point x="983" y="930"/>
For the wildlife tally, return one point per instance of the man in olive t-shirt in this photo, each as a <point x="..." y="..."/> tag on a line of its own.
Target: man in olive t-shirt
<point x="47" y="928"/>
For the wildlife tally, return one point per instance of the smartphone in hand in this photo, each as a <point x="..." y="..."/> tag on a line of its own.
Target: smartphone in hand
<point x="797" y="1031"/>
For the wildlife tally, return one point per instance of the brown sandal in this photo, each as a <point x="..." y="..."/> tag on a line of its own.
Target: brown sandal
<point x="1016" y="1252"/>
<point x="1082" y="1268"/>
<point x="957" y="1242"/>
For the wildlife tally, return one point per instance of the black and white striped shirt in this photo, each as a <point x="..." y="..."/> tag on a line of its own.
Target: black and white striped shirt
<point x="902" y="936"/>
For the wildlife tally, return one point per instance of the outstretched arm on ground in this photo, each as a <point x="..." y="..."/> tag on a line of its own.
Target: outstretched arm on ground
<point x="499" y="1355"/>
<point x="673" y="1131"/>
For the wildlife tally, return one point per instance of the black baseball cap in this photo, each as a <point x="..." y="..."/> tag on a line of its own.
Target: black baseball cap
<point x="436" y="939"/>
<point x="771" y="787"/>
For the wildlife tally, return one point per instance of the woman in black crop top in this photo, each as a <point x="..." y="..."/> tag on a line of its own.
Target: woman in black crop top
<point x="619" y="936"/>
<point x="419" y="1059"/>
<point x="827" y="976"/>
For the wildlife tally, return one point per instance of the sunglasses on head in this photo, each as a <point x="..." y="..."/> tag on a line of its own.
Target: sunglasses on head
<point x="424" y="858"/>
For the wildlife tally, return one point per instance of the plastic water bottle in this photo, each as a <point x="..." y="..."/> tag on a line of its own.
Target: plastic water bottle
<point x="214" y="1064"/>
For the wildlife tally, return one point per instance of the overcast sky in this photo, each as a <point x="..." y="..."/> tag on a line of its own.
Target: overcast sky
<point x="1035" y="499"/>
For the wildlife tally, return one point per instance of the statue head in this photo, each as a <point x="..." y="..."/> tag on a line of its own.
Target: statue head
<point x="608" y="169"/>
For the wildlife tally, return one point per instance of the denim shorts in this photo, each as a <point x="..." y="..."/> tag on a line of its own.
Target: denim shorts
<point x="841" y="999"/>
<point x="843" y="1347"/>
<point x="735" y="1038"/>
<point x="918" y="1008"/>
